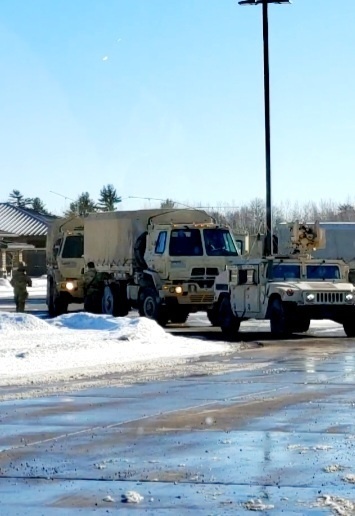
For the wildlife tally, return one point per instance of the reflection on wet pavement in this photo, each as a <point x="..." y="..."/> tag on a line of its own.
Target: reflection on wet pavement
<point x="277" y="437"/>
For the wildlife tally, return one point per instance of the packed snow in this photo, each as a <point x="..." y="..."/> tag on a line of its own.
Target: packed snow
<point x="80" y="345"/>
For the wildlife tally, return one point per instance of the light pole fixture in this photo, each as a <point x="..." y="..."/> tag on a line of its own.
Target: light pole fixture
<point x="265" y="3"/>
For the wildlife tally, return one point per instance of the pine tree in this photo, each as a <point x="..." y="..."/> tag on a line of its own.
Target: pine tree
<point x="18" y="199"/>
<point x="83" y="205"/>
<point x="38" y="206"/>
<point x="108" y="198"/>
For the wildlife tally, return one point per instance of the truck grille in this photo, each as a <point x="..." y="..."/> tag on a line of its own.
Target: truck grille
<point x="330" y="297"/>
<point x="202" y="298"/>
<point x="201" y="271"/>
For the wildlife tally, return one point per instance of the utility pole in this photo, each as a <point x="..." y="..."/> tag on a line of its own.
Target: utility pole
<point x="265" y="4"/>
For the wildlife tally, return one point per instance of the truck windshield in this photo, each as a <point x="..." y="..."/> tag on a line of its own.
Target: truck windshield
<point x="185" y="242"/>
<point x="219" y="242"/>
<point x="73" y="247"/>
<point x="322" y="272"/>
<point x="282" y="271"/>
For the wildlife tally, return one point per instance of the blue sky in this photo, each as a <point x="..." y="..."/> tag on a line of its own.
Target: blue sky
<point x="176" y="109"/>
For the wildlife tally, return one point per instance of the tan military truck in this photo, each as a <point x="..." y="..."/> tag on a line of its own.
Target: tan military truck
<point x="288" y="290"/>
<point x="65" y="264"/>
<point x="163" y="262"/>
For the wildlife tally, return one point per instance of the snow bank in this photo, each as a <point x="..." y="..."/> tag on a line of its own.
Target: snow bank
<point x="82" y="345"/>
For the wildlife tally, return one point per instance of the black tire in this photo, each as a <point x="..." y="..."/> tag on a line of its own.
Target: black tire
<point x="213" y="315"/>
<point x="349" y="328"/>
<point x="57" y="303"/>
<point x="279" y="323"/>
<point x="302" y="326"/>
<point x="50" y="298"/>
<point x="151" y="307"/>
<point x="228" y="322"/>
<point x="179" y="315"/>
<point x="114" y="301"/>
<point x="60" y="305"/>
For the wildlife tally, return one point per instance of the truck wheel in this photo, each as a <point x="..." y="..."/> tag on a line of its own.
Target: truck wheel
<point x="150" y="307"/>
<point x="279" y="323"/>
<point x="50" y="298"/>
<point x="213" y="315"/>
<point x="60" y="305"/>
<point x="179" y="316"/>
<point x="57" y="304"/>
<point x="302" y="326"/>
<point x="114" y="302"/>
<point x="349" y="328"/>
<point x="228" y="322"/>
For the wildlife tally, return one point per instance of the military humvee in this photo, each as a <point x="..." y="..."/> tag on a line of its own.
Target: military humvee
<point x="288" y="290"/>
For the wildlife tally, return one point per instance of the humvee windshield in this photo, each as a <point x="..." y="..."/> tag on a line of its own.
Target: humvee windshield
<point x="73" y="247"/>
<point x="283" y="271"/>
<point x="322" y="272"/>
<point x="219" y="242"/>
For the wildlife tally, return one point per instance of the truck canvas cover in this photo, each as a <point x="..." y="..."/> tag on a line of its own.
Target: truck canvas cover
<point x="109" y="238"/>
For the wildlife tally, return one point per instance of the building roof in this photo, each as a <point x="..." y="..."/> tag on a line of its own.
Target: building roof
<point x="22" y="221"/>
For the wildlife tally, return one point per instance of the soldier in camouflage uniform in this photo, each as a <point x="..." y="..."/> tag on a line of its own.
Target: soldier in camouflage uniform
<point x="20" y="281"/>
<point x="92" y="289"/>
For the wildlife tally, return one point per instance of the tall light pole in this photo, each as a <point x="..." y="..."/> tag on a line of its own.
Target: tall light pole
<point x="265" y="4"/>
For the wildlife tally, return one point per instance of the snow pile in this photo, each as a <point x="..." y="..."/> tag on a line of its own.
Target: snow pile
<point x="83" y="345"/>
<point x="17" y="322"/>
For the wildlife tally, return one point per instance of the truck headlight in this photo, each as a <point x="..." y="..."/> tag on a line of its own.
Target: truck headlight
<point x="178" y="290"/>
<point x="349" y="297"/>
<point x="310" y="298"/>
<point x="69" y="285"/>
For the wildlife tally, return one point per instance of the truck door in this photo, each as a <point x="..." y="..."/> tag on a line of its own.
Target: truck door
<point x="156" y="255"/>
<point x="246" y="296"/>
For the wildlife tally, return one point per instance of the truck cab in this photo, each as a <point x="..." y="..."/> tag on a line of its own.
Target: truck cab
<point x="183" y="261"/>
<point x="65" y="267"/>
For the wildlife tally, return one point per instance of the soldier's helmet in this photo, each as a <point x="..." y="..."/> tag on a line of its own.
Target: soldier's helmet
<point x="21" y="266"/>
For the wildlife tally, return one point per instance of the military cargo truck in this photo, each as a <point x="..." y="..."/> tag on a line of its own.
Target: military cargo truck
<point x="163" y="262"/>
<point x="65" y="264"/>
<point x="288" y="290"/>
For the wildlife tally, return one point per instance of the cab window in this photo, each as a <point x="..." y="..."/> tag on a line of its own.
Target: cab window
<point x="323" y="272"/>
<point x="282" y="271"/>
<point x="73" y="247"/>
<point x="161" y="243"/>
<point x="185" y="242"/>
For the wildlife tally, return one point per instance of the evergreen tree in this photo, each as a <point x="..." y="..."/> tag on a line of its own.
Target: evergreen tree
<point x="108" y="198"/>
<point x="38" y="206"/>
<point x="83" y="205"/>
<point x="18" y="199"/>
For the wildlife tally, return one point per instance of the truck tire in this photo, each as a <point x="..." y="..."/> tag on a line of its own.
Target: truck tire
<point x="57" y="304"/>
<point x="179" y="315"/>
<point x="151" y="308"/>
<point x="114" y="301"/>
<point x="228" y="322"/>
<point x="349" y="328"/>
<point x="213" y="315"/>
<point x="301" y="326"/>
<point x="279" y="323"/>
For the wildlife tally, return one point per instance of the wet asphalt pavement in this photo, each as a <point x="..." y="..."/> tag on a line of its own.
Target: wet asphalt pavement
<point x="273" y="431"/>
